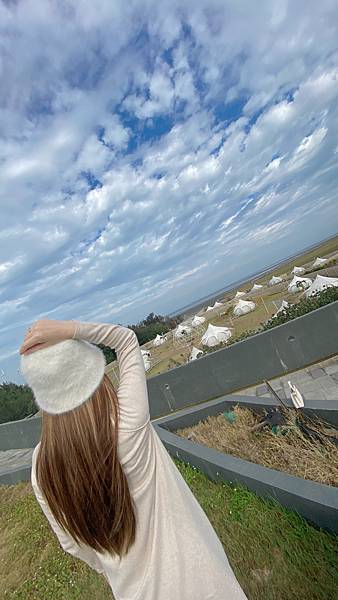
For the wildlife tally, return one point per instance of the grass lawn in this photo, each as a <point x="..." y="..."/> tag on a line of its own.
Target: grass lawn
<point x="275" y="554"/>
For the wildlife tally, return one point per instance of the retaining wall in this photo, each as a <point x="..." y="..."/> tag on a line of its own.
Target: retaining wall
<point x="316" y="502"/>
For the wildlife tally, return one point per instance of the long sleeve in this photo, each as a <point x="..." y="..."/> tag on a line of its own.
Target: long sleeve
<point x="132" y="391"/>
<point x="68" y="544"/>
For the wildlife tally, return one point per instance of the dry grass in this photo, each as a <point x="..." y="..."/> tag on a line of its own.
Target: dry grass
<point x="289" y="450"/>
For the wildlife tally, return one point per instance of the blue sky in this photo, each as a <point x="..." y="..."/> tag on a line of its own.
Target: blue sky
<point x="152" y="152"/>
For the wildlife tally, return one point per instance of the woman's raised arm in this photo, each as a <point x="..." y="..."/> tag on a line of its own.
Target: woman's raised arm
<point x="132" y="391"/>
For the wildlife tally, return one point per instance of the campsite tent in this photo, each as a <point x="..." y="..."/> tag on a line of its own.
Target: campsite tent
<point x="215" y="335"/>
<point x="274" y="280"/>
<point x="320" y="283"/>
<point x="182" y="331"/>
<point x="243" y="306"/>
<point x="256" y="287"/>
<point x="160" y="339"/>
<point x="281" y="308"/>
<point x="303" y="283"/>
<point x="319" y="262"/>
<point x="216" y="305"/>
<point x="298" y="270"/>
<point x="147" y="363"/>
<point x="239" y="294"/>
<point x="146" y="359"/>
<point x="197" y="321"/>
<point x="195" y="353"/>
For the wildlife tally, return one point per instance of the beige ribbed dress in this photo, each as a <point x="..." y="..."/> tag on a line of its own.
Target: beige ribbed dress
<point x="177" y="554"/>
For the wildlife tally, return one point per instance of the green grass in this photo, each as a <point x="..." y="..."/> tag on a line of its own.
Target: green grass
<point x="275" y="554"/>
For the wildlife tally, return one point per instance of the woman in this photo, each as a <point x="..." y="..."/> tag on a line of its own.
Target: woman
<point x="102" y="476"/>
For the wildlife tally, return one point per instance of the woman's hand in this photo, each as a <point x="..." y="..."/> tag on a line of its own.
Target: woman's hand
<point x="46" y="332"/>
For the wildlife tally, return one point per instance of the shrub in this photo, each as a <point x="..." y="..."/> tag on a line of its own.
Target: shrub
<point x="302" y="307"/>
<point x="16" y="402"/>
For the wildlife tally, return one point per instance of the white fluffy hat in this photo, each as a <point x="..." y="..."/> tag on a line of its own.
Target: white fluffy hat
<point x="64" y="375"/>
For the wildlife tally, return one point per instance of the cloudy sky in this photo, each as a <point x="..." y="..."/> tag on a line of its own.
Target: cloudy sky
<point x="154" y="151"/>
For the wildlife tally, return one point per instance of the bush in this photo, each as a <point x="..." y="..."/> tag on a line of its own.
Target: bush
<point x="16" y="402"/>
<point x="302" y="307"/>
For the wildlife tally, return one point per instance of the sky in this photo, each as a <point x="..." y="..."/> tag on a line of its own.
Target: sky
<point x="155" y="151"/>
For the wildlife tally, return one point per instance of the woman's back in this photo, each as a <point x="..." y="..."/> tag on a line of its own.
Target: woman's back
<point x="176" y="553"/>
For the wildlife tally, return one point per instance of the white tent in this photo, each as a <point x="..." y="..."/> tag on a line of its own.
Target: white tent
<point x="195" y="353"/>
<point x="146" y="358"/>
<point x="145" y="352"/>
<point x="239" y="294"/>
<point x="298" y="270"/>
<point x="319" y="262"/>
<point x="320" y="283"/>
<point x="215" y="335"/>
<point x="182" y="331"/>
<point x="197" y="321"/>
<point x="160" y="339"/>
<point x="282" y="306"/>
<point x="242" y="307"/>
<point x="216" y="305"/>
<point x="256" y="287"/>
<point x="304" y="282"/>
<point x="274" y="280"/>
<point x="147" y="363"/>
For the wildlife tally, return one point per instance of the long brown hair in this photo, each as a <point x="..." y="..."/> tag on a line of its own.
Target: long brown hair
<point x="80" y="475"/>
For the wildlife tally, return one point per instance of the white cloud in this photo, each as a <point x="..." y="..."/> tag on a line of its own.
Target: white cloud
<point x="212" y="129"/>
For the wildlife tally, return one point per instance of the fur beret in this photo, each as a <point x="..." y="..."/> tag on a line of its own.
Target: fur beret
<point x="64" y="375"/>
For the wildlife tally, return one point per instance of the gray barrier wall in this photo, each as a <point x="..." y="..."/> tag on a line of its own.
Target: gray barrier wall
<point x="288" y="347"/>
<point x="285" y="348"/>
<point x="314" y="501"/>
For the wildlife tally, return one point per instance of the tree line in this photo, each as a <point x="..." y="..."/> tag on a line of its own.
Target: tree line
<point x="17" y="401"/>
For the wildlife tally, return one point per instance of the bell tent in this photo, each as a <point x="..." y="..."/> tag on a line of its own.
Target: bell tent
<point x="197" y="321"/>
<point x="195" y="353"/>
<point x="215" y="335"/>
<point x="281" y="308"/>
<point x="298" y="270"/>
<point x="242" y="307"/>
<point x="182" y="331"/>
<point x="299" y="283"/>
<point x="160" y="339"/>
<point x="319" y="262"/>
<point x="320" y="283"/>
<point x="274" y="280"/>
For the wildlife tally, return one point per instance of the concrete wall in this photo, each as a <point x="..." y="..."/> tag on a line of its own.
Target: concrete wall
<point x="20" y="434"/>
<point x="315" y="502"/>
<point x="296" y="344"/>
<point x="285" y="348"/>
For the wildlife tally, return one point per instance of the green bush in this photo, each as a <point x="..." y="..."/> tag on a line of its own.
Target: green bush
<point x="302" y="307"/>
<point x="16" y="402"/>
<point x="153" y="325"/>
